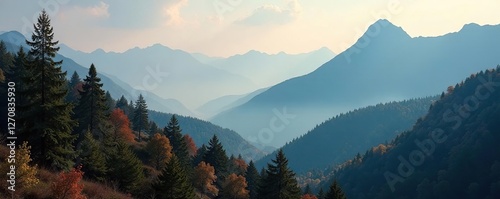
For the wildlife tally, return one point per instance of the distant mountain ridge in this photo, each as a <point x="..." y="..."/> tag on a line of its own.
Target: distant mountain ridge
<point x="340" y="138"/>
<point x="14" y="40"/>
<point x="269" y="69"/>
<point x="384" y="65"/>
<point x="166" y="72"/>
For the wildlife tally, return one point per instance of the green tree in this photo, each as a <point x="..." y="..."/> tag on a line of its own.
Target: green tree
<point x="335" y="192"/>
<point x="173" y="182"/>
<point x="173" y="132"/>
<point x="252" y="176"/>
<point x="141" y="120"/>
<point x="217" y="157"/>
<point x="280" y="182"/>
<point x="110" y="102"/>
<point x="46" y="117"/>
<point x="92" y="159"/>
<point x="73" y="87"/>
<point x="307" y="190"/>
<point x="321" y="194"/>
<point x="91" y="109"/>
<point x="200" y="153"/>
<point x="125" y="168"/>
<point x="127" y="108"/>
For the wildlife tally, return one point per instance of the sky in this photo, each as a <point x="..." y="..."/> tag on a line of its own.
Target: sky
<point x="228" y="27"/>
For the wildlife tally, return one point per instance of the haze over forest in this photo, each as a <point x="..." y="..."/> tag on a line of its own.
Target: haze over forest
<point x="250" y="99"/>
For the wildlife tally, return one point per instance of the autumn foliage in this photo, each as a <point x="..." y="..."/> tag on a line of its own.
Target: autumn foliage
<point x="191" y="146"/>
<point x="234" y="187"/>
<point x="308" y="196"/>
<point x="68" y="186"/>
<point x="160" y="151"/>
<point x="204" y="179"/>
<point x="121" y="124"/>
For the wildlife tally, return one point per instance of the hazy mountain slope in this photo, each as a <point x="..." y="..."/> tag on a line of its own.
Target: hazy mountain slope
<point x="224" y="103"/>
<point x="166" y="72"/>
<point x="269" y="69"/>
<point x="452" y="153"/>
<point x="202" y="131"/>
<point x="340" y="138"/>
<point x="384" y="65"/>
<point x="116" y="88"/>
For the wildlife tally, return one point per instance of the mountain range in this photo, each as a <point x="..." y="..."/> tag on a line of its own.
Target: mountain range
<point x="267" y="70"/>
<point x="385" y="64"/>
<point x="200" y="131"/>
<point x="14" y="40"/>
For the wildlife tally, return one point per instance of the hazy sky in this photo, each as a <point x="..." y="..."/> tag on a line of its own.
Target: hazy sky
<point x="227" y="27"/>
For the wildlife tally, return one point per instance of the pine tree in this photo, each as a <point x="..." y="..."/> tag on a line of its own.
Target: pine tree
<point x="125" y="168"/>
<point x="74" y="83"/>
<point x="46" y="117"/>
<point x="91" y="109"/>
<point x="216" y="156"/>
<point x="141" y="120"/>
<point x="252" y="176"/>
<point x="307" y="190"/>
<point x="173" y="182"/>
<point x="110" y="102"/>
<point x="335" y="192"/>
<point x="280" y="182"/>
<point x="122" y="104"/>
<point x="11" y="73"/>
<point x="200" y="153"/>
<point x="321" y="194"/>
<point x="92" y="159"/>
<point x="174" y="133"/>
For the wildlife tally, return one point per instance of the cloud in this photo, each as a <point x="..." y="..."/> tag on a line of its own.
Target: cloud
<point x="273" y="14"/>
<point x="172" y="12"/>
<point x="100" y="10"/>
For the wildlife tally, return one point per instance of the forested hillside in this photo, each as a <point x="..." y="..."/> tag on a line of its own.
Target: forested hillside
<point x="340" y="138"/>
<point x="452" y="152"/>
<point x="201" y="131"/>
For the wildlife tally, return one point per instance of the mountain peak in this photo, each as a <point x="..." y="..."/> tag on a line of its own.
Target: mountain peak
<point x="382" y="31"/>
<point x="13" y="37"/>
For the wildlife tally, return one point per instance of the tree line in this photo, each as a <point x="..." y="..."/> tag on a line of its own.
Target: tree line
<point x="76" y="128"/>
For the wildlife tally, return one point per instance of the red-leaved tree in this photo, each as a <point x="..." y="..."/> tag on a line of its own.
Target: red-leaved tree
<point x="121" y="124"/>
<point x="67" y="185"/>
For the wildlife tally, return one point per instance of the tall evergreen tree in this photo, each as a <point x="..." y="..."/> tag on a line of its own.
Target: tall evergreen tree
<point x="173" y="132"/>
<point x="46" y="117"/>
<point x="335" y="192"/>
<point x="280" y="182"/>
<point x="110" y="103"/>
<point x="173" y="182"/>
<point x="7" y="68"/>
<point x="321" y="194"/>
<point x="125" y="168"/>
<point x="217" y="157"/>
<point x="200" y="153"/>
<point x="73" y="93"/>
<point x="92" y="159"/>
<point x="91" y="109"/>
<point x="252" y="176"/>
<point x="307" y="190"/>
<point x="141" y="121"/>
